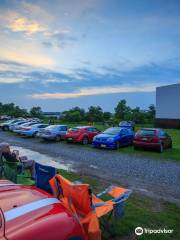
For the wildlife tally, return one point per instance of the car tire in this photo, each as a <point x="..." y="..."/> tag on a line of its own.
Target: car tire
<point x="58" y="138"/>
<point x="85" y="141"/>
<point x="161" y="148"/>
<point x="34" y="134"/>
<point x="6" y="128"/>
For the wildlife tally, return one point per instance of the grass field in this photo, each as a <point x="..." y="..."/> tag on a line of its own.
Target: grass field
<point x="140" y="211"/>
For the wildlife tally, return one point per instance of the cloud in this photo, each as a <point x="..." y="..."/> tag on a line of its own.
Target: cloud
<point x="94" y="91"/>
<point x="26" y="26"/>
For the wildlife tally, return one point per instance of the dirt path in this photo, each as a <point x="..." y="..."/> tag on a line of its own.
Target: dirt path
<point x="152" y="177"/>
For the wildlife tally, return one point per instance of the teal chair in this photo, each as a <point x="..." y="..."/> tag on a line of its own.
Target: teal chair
<point x="10" y="170"/>
<point x="1" y="166"/>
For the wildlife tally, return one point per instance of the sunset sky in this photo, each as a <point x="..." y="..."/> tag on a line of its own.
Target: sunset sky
<point x="64" y="53"/>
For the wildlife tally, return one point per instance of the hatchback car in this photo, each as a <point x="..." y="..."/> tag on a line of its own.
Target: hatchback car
<point x="152" y="138"/>
<point x="28" y="213"/>
<point x="114" y="138"/>
<point x="53" y="132"/>
<point x="82" y="134"/>
<point x="32" y="130"/>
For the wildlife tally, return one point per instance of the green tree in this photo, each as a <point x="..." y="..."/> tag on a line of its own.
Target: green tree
<point x="107" y="116"/>
<point x="121" y="110"/>
<point x="94" y="114"/>
<point x="36" y="112"/>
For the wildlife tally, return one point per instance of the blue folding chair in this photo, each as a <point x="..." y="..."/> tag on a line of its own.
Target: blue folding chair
<point x="43" y="175"/>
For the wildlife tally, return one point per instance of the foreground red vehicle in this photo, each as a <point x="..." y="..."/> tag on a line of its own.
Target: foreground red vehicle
<point x="82" y="135"/>
<point x="28" y="213"/>
<point x="152" y="138"/>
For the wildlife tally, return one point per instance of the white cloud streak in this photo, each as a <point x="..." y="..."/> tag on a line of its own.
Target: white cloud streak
<point x="94" y="91"/>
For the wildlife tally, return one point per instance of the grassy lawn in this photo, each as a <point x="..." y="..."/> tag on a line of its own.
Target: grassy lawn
<point x="140" y="211"/>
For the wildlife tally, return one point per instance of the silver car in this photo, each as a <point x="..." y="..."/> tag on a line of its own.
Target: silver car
<point x="53" y="132"/>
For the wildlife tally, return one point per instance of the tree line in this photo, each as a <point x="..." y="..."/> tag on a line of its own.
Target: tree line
<point x="122" y="112"/>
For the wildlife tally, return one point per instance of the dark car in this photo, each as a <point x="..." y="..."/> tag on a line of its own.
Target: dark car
<point x="152" y="138"/>
<point x="82" y="135"/>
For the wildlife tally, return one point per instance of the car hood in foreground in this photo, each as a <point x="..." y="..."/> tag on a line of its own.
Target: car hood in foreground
<point x="30" y="212"/>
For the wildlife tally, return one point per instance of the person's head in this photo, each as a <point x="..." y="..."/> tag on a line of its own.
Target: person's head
<point x="4" y="147"/>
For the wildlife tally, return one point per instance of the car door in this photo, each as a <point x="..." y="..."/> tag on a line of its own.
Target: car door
<point x="124" y="137"/>
<point x="63" y="130"/>
<point x="92" y="131"/>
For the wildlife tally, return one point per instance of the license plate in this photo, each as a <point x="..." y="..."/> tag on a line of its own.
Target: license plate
<point x="144" y="139"/>
<point x="70" y="139"/>
<point x="103" y="145"/>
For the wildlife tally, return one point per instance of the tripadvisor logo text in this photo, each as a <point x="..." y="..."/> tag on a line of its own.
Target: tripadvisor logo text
<point x="139" y="231"/>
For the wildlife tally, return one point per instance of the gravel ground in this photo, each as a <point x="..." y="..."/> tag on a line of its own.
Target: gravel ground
<point x="152" y="177"/>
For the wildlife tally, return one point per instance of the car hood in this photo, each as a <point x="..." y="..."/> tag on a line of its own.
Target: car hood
<point x="26" y="218"/>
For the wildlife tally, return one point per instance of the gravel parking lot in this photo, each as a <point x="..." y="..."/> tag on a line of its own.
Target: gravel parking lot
<point x="152" y="177"/>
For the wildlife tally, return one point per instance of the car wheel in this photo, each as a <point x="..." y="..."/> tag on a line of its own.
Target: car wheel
<point x="58" y="138"/>
<point x="161" y="148"/>
<point x="6" y="128"/>
<point x="34" y="134"/>
<point x="85" y="141"/>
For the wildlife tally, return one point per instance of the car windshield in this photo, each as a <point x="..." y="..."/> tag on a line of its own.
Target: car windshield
<point x="112" y="131"/>
<point x="147" y="132"/>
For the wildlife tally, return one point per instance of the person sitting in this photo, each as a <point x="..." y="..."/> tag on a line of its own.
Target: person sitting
<point x="13" y="156"/>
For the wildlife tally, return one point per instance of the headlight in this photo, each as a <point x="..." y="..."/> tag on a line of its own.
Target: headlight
<point x="110" y="139"/>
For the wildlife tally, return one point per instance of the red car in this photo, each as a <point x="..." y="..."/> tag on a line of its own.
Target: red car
<point x="82" y="135"/>
<point x="152" y="138"/>
<point x="28" y="213"/>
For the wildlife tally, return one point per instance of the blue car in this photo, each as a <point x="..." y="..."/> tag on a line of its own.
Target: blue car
<point x="114" y="138"/>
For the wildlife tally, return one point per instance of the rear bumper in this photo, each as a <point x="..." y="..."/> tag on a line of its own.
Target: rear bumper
<point x="26" y="133"/>
<point x="146" y="145"/>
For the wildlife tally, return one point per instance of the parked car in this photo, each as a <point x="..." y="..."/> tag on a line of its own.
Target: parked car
<point x="12" y="126"/>
<point x="5" y="126"/>
<point x="81" y="134"/>
<point x="20" y="127"/>
<point x="152" y="138"/>
<point x="127" y="124"/>
<point x="27" y="213"/>
<point x="53" y="132"/>
<point x="33" y="130"/>
<point x="114" y="138"/>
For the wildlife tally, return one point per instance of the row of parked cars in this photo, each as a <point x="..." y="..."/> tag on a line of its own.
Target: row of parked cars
<point x="111" y="138"/>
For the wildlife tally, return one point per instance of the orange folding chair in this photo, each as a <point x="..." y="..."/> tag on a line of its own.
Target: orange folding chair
<point x="87" y="207"/>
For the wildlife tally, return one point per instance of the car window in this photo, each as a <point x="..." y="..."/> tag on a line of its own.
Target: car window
<point x="124" y="131"/>
<point x="63" y="128"/>
<point x="146" y="132"/>
<point x="92" y="129"/>
<point x="112" y="131"/>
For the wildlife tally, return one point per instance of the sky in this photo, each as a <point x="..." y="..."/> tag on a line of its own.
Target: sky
<point x="64" y="53"/>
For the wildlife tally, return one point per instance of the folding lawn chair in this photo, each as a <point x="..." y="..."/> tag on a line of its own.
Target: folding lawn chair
<point x="85" y="206"/>
<point x="1" y="166"/>
<point x="43" y="175"/>
<point x="10" y="170"/>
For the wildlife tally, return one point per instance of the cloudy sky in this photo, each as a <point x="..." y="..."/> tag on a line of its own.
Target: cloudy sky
<point x="64" y="53"/>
